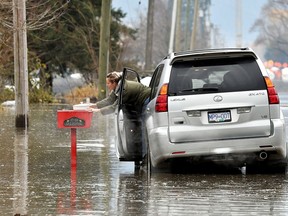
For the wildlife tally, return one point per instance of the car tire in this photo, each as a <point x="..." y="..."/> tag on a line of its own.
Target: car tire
<point x="146" y="163"/>
<point x="137" y="165"/>
<point x="281" y="167"/>
<point x="149" y="165"/>
<point x="259" y="168"/>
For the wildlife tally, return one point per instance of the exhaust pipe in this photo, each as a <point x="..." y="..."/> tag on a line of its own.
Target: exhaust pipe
<point x="263" y="155"/>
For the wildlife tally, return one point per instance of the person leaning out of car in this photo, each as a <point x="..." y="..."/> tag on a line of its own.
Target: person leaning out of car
<point x="135" y="94"/>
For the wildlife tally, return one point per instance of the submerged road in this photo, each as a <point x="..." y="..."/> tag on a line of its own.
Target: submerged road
<point x="36" y="177"/>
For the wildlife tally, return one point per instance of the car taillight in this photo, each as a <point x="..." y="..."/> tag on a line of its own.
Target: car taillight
<point x="272" y="93"/>
<point x="162" y="99"/>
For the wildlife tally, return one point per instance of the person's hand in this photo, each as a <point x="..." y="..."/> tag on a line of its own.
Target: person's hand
<point x="92" y="106"/>
<point x="93" y="109"/>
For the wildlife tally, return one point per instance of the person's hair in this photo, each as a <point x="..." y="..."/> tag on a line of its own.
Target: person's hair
<point x="114" y="76"/>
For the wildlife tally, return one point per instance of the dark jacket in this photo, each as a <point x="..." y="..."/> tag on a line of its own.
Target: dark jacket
<point x="134" y="95"/>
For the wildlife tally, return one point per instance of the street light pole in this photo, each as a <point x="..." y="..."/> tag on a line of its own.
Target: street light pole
<point x="173" y="24"/>
<point x="20" y="63"/>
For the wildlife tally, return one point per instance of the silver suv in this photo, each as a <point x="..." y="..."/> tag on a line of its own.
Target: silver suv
<point x="216" y="104"/>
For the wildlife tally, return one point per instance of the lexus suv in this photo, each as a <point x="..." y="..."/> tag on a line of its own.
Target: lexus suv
<point x="215" y="104"/>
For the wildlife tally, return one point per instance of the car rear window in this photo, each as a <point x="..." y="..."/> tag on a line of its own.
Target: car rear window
<point x="215" y="75"/>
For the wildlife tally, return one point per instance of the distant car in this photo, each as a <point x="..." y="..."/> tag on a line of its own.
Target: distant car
<point x="216" y="104"/>
<point x="285" y="75"/>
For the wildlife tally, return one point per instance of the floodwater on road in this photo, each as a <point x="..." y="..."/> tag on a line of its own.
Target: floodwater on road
<point x="36" y="177"/>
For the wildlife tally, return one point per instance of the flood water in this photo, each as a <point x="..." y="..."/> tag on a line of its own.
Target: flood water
<point x="36" y="177"/>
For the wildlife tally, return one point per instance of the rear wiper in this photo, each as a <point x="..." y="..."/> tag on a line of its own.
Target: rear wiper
<point x="200" y="89"/>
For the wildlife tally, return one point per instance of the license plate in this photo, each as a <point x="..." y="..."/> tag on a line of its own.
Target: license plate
<point x="215" y="117"/>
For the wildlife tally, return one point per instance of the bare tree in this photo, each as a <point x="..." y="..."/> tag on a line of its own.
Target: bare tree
<point x="6" y="45"/>
<point x="161" y="32"/>
<point x="40" y="13"/>
<point x="273" y="26"/>
<point x="135" y="49"/>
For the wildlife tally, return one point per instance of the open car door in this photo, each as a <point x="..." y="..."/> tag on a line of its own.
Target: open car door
<point x="128" y="124"/>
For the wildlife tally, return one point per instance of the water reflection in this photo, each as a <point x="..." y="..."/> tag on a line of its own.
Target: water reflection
<point x="20" y="187"/>
<point x="69" y="203"/>
<point x="218" y="195"/>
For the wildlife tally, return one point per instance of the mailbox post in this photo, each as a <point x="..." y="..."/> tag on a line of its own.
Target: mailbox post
<point x="74" y="119"/>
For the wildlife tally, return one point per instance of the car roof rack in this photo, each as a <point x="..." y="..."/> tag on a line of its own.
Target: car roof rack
<point x="211" y="50"/>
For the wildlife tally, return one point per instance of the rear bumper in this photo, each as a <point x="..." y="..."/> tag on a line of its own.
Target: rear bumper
<point x="162" y="149"/>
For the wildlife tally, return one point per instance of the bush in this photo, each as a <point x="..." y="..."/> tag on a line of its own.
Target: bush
<point x="7" y="94"/>
<point x="40" y="96"/>
<point x="75" y="96"/>
<point x="79" y="94"/>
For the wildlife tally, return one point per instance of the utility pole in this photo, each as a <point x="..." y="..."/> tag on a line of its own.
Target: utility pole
<point x="178" y="32"/>
<point x="104" y="47"/>
<point x="187" y="24"/>
<point x="195" y="22"/>
<point x="149" y="36"/>
<point x="238" y="23"/>
<point x="20" y="64"/>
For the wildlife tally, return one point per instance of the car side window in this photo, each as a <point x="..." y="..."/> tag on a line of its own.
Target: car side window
<point x="154" y="84"/>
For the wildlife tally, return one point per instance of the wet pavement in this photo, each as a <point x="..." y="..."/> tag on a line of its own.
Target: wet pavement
<point x="36" y="177"/>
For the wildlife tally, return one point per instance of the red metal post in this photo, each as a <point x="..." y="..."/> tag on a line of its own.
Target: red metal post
<point x="73" y="169"/>
<point x="73" y="148"/>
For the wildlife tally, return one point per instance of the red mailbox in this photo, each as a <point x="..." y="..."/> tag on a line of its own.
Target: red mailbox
<point x="74" y="119"/>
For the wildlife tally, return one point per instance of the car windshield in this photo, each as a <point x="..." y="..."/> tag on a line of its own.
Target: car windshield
<point x="215" y="75"/>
